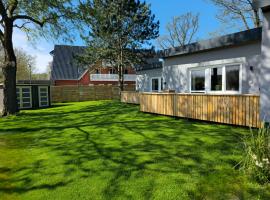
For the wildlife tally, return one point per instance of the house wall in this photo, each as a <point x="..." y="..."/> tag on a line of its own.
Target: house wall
<point x="143" y="82"/>
<point x="86" y="80"/>
<point x="265" y="69"/>
<point x="83" y="81"/>
<point x="176" y="69"/>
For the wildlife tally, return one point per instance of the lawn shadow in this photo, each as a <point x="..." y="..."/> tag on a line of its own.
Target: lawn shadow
<point x="111" y="138"/>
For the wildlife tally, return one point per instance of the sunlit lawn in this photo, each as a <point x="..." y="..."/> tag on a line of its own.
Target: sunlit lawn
<point x="108" y="150"/>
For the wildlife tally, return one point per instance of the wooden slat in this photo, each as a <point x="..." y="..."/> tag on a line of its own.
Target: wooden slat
<point x="240" y="110"/>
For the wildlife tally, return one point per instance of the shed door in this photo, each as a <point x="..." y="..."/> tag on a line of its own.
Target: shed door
<point x="43" y="96"/>
<point x="24" y="97"/>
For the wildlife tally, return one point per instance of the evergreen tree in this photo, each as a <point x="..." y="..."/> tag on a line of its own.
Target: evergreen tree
<point x="118" y="30"/>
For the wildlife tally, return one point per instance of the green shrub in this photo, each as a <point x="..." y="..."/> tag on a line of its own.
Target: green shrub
<point x="257" y="155"/>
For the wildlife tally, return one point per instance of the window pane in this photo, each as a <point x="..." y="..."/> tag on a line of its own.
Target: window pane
<point x="232" y="77"/>
<point x="26" y="94"/>
<point x="155" y="84"/>
<point x="216" y="79"/>
<point x="44" y="94"/>
<point x="43" y="89"/>
<point x="43" y="103"/>
<point x="43" y="99"/>
<point x="197" y="80"/>
<point x="26" y="90"/>
<point x="161" y="86"/>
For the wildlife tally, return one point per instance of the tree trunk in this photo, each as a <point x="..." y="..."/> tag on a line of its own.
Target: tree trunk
<point x="121" y="78"/>
<point x="9" y="74"/>
<point x="10" y="97"/>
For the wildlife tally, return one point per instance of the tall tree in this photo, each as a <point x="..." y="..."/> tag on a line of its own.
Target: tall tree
<point x="118" y="30"/>
<point x="36" y="18"/>
<point x="180" y="31"/>
<point x="236" y="12"/>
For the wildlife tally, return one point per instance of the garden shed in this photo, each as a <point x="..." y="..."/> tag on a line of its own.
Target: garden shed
<point x="34" y="94"/>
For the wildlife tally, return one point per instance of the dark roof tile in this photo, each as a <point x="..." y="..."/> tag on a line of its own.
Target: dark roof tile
<point x="65" y="66"/>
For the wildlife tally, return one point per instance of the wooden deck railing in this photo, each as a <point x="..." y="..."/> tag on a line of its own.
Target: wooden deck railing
<point x="130" y="97"/>
<point x="240" y="110"/>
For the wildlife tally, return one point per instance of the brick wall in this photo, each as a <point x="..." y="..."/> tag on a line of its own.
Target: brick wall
<point x="86" y="93"/>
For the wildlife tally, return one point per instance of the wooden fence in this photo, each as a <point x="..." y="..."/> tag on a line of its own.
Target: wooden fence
<point x="130" y="97"/>
<point x="240" y="110"/>
<point x="86" y="93"/>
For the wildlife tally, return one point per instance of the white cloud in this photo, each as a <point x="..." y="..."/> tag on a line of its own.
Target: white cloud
<point x="40" y="50"/>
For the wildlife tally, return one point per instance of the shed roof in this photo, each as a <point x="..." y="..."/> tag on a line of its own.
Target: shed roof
<point x="234" y="39"/>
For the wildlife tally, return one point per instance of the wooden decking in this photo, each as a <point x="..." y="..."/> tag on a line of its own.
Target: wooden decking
<point x="240" y="110"/>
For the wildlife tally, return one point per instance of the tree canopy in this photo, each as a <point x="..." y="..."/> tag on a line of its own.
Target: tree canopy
<point x="118" y="29"/>
<point x="49" y="19"/>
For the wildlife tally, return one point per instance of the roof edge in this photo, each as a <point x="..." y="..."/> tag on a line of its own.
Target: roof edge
<point x="234" y="39"/>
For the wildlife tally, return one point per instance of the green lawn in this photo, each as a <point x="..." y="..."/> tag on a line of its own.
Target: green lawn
<point x="108" y="150"/>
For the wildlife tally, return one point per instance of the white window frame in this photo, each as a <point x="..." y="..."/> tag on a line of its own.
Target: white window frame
<point x="208" y="78"/>
<point x="39" y="96"/>
<point x="190" y="81"/>
<point x="21" y="96"/>
<point x="222" y="82"/>
<point x="159" y="84"/>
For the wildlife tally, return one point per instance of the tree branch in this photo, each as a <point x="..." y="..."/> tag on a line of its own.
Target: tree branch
<point x="2" y="37"/>
<point x="3" y="12"/>
<point x="12" y="7"/>
<point x="26" y="17"/>
<point x="21" y="26"/>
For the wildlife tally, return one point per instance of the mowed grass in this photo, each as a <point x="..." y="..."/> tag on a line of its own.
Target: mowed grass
<point x="109" y="150"/>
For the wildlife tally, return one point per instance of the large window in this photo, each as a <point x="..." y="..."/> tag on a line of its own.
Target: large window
<point x="198" y="80"/>
<point x="216" y="79"/>
<point x="222" y="78"/>
<point x="232" y="77"/>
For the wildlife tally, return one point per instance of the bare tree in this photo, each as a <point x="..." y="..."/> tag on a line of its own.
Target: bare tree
<point x="24" y="60"/>
<point x="236" y="12"/>
<point x="181" y="31"/>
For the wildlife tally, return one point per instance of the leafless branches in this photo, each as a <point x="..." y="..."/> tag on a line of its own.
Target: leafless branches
<point x="237" y="12"/>
<point x="181" y="31"/>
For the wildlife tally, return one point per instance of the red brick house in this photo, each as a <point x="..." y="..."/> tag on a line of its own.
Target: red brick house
<point x="67" y="71"/>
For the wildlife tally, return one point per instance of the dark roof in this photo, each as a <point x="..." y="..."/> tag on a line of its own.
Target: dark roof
<point x="264" y="4"/>
<point x="234" y="39"/>
<point x="65" y="66"/>
<point x="34" y="82"/>
<point x="151" y="63"/>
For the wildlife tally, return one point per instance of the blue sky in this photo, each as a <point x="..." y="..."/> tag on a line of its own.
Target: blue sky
<point x="164" y="11"/>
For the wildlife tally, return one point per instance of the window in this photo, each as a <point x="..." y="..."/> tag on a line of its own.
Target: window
<point x="198" y="80"/>
<point x="216" y="79"/>
<point x="24" y="97"/>
<point x="232" y="77"/>
<point x="155" y="84"/>
<point x="97" y="71"/>
<point x="126" y="71"/>
<point x="112" y="71"/>
<point x="43" y="96"/>
<point x="222" y="78"/>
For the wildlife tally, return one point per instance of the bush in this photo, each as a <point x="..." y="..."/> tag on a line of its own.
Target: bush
<point x="257" y="155"/>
